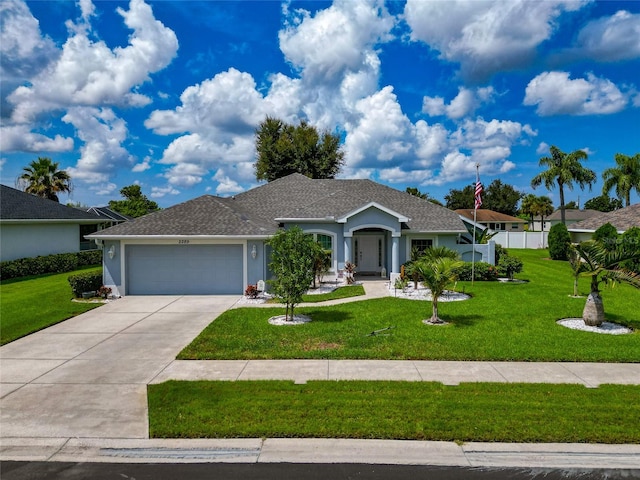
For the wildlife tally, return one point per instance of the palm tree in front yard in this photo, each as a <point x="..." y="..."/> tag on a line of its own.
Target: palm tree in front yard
<point x="437" y="274"/>
<point x="602" y="265"/>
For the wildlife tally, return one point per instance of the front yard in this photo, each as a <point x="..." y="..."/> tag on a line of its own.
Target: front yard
<point x="501" y="322"/>
<point x="30" y="304"/>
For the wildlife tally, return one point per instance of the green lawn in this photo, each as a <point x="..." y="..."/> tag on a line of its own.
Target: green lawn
<point x="30" y="304"/>
<point x="484" y="412"/>
<point x="501" y="322"/>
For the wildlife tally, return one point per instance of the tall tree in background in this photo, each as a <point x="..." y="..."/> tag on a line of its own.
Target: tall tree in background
<point x="283" y="149"/>
<point x="425" y="196"/>
<point x="43" y="178"/>
<point x="533" y="206"/>
<point x="501" y="197"/>
<point x="563" y="169"/>
<point x="625" y="177"/>
<point x="135" y="205"/>
<point x="603" y="203"/>
<point x="457" y="199"/>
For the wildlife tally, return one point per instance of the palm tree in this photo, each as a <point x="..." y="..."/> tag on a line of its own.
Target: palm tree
<point x="43" y="179"/>
<point x="577" y="267"/>
<point x="543" y="207"/>
<point x="437" y="273"/>
<point x="563" y="169"/>
<point x="625" y="177"/>
<point x="602" y="265"/>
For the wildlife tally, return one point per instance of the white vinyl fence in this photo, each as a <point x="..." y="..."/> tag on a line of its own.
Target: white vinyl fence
<point x="522" y="239"/>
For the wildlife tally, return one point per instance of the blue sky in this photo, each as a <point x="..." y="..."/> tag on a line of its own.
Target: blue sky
<point x="168" y="94"/>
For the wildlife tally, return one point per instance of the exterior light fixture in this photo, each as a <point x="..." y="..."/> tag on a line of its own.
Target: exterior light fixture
<point x="254" y="251"/>
<point x="112" y="252"/>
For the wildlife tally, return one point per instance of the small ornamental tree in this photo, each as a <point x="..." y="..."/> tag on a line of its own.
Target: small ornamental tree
<point x="510" y="265"/>
<point x="559" y="242"/>
<point x="292" y="261"/>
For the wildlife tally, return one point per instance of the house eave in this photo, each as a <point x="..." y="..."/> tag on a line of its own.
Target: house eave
<point x="305" y="220"/>
<point x="98" y="236"/>
<point x="86" y="221"/>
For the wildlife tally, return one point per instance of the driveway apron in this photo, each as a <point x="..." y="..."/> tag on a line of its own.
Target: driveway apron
<point x="87" y="377"/>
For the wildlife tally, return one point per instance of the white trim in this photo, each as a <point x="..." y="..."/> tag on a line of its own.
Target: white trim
<point x="351" y="231"/>
<point x="400" y="217"/>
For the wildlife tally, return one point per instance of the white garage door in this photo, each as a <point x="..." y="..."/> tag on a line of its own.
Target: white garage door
<point x="184" y="269"/>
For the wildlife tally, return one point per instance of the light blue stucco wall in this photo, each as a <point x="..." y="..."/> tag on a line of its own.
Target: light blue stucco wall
<point x="32" y="240"/>
<point x="112" y="267"/>
<point x="256" y="267"/>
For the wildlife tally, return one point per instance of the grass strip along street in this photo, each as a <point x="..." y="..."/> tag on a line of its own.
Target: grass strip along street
<point x="502" y="322"/>
<point x="32" y="303"/>
<point x="483" y="412"/>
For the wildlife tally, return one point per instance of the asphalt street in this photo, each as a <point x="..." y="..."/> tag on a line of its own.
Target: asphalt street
<point x="280" y="471"/>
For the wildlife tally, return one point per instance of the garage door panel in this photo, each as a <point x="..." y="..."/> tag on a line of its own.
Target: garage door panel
<point x="184" y="269"/>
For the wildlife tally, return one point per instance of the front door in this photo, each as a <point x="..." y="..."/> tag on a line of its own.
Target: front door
<point x="370" y="253"/>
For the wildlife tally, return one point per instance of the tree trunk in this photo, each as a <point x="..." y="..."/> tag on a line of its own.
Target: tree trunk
<point x="593" y="313"/>
<point x="575" y="287"/>
<point x="562" y="204"/>
<point x="434" y="312"/>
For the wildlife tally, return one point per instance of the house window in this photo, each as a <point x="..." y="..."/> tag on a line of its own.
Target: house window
<point x="419" y="245"/>
<point x="514" y="226"/>
<point x="87" y="230"/>
<point x="497" y="226"/>
<point x="326" y="242"/>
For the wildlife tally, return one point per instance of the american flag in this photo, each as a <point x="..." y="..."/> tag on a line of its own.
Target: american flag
<point x="478" y="195"/>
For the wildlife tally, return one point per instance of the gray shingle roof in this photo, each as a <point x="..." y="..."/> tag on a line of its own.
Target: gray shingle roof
<point x="18" y="205"/>
<point x="623" y="219"/>
<point x="573" y="214"/>
<point x="108" y="214"/>
<point x="254" y="213"/>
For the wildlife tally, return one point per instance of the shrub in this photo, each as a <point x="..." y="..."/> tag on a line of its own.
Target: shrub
<point x="251" y="291"/>
<point x="58" y="263"/>
<point x="559" y="242"/>
<point x="482" y="272"/>
<point x="508" y="266"/>
<point x="85" y="282"/>
<point x="607" y="235"/>
<point x="499" y="253"/>
<point x="630" y="240"/>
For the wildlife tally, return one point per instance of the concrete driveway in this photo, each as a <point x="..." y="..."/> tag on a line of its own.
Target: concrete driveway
<point x="87" y="377"/>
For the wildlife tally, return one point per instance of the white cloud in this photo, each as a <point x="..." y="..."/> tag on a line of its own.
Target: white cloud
<point x="381" y="133"/>
<point x="142" y="166"/>
<point x="462" y="105"/>
<point x="102" y="154"/>
<point x="485" y="37"/>
<point x="226" y="185"/>
<point x="23" y="49"/>
<point x="19" y="138"/>
<point x="555" y="93"/>
<point x="610" y="39"/>
<point x="543" y="148"/>
<point x="103" y="189"/>
<point x="89" y="73"/>
<point x="336" y="40"/>
<point x="159" y="192"/>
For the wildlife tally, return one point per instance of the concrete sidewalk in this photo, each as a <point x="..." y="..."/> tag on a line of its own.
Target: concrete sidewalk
<point x="77" y="392"/>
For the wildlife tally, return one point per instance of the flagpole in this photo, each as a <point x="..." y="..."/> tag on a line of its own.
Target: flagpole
<point x="476" y="203"/>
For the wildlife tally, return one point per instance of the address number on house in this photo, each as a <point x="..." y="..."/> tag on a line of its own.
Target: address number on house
<point x="183" y="242"/>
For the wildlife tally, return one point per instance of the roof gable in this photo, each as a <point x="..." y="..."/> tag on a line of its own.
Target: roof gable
<point x="370" y="205"/>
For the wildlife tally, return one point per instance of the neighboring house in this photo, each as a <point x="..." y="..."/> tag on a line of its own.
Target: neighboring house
<point x="110" y="217"/>
<point x="31" y="226"/>
<point x="623" y="219"/>
<point x="214" y="245"/>
<point x="496" y="221"/>
<point x="572" y="216"/>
